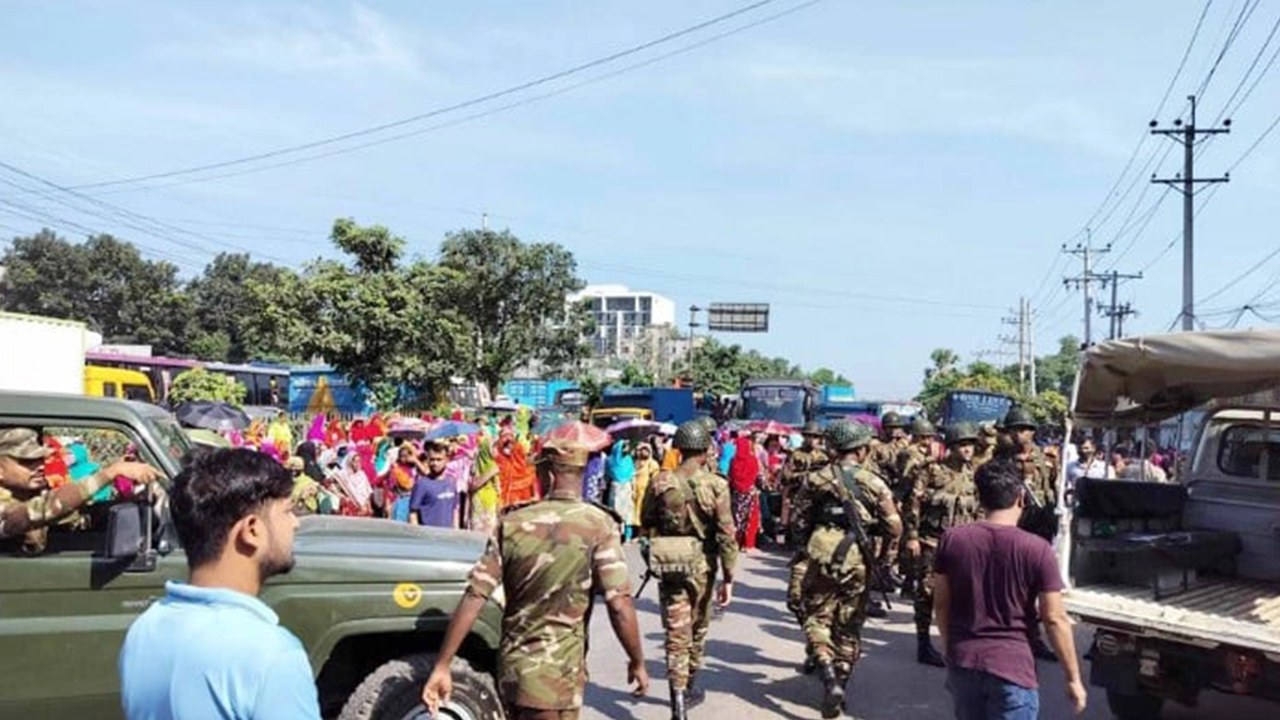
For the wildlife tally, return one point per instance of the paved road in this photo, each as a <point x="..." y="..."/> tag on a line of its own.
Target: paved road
<point x="755" y="650"/>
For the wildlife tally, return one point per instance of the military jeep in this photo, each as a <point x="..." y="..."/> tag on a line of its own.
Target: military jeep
<point x="369" y="599"/>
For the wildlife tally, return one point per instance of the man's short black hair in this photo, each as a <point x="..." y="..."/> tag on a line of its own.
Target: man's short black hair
<point x="999" y="484"/>
<point x="215" y="490"/>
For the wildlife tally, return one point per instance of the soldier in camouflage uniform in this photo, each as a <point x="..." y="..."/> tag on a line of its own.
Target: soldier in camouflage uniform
<point x="943" y="496"/>
<point x="883" y="461"/>
<point x="1040" y="474"/>
<point x="808" y="459"/>
<point x="550" y="557"/>
<point x="688" y="516"/>
<point x="988" y="439"/>
<point x="835" y="588"/>
<point x="911" y="461"/>
<point x="27" y="504"/>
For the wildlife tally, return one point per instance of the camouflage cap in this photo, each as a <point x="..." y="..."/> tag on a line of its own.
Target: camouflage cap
<point x="572" y="444"/>
<point x="23" y="444"/>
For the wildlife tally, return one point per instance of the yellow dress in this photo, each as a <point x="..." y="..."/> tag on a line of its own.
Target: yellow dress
<point x="645" y="471"/>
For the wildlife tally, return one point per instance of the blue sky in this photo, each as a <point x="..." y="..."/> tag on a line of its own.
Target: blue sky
<point x="891" y="177"/>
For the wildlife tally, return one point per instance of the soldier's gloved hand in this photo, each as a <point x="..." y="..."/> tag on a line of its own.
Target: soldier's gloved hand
<point x="638" y="675"/>
<point x="137" y="472"/>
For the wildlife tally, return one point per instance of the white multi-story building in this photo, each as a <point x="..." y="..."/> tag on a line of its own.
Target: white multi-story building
<point x="625" y="319"/>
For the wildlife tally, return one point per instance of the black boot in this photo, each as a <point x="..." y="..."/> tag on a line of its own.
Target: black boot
<point x="679" y="711"/>
<point x="875" y="609"/>
<point x="810" y="661"/>
<point x="832" y="691"/>
<point x="694" y="695"/>
<point x="926" y="653"/>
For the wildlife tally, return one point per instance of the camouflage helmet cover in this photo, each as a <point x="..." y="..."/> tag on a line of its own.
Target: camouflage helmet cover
<point x="843" y="435"/>
<point x="692" y="435"/>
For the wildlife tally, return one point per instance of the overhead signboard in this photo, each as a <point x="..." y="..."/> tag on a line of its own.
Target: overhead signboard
<point x="738" y="317"/>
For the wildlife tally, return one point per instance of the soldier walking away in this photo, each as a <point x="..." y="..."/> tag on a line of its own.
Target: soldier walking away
<point x="943" y="496"/>
<point x="808" y="459"/>
<point x="687" y="513"/>
<point x="883" y="461"/>
<point x="550" y="557"/>
<point x="27" y="504"/>
<point x="837" y="510"/>
<point x="1040" y="475"/>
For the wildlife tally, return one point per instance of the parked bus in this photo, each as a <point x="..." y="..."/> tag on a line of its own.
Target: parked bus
<point x="118" y="383"/>
<point x="785" y="400"/>
<point x="267" y="385"/>
<point x="974" y="406"/>
<point x="161" y="371"/>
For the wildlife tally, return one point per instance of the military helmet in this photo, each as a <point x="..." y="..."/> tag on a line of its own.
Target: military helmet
<point x="1019" y="418"/>
<point x="692" y="435"/>
<point x="708" y="423"/>
<point x="892" y="419"/>
<point x="921" y="427"/>
<point x="812" y="428"/>
<point x="843" y="435"/>
<point x="962" y="432"/>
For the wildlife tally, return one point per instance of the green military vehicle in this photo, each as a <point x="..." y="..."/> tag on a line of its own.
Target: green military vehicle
<point x="369" y="599"/>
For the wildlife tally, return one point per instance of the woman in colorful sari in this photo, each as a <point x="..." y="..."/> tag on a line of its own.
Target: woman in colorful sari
<point x="519" y="481"/>
<point x="486" y="494"/>
<point x="398" y="483"/>
<point x="744" y="474"/>
<point x="621" y="470"/>
<point x="353" y="487"/>
<point x="646" y="470"/>
<point x="593" y="479"/>
<point x="458" y="471"/>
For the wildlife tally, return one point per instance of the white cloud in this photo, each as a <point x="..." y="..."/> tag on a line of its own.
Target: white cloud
<point x="297" y="39"/>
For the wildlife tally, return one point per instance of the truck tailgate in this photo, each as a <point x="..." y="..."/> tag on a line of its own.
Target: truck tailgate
<point x="1241" y="613"/>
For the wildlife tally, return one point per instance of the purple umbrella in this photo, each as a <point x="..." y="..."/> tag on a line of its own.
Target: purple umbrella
<point x="633" y="428"/>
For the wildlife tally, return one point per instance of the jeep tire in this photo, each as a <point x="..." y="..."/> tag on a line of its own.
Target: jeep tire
<point x="1142" y="706"/>
<point x="394" y="692"/>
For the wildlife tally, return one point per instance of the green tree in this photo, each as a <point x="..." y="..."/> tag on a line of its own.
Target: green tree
<point x="225" y="309"/>
<point x="827" y="376"/>
<point x="512" y="295"/>
<point x="381" y="323"/>
<point x="104" y="282"/>
<point x="199" y="384"/>
<point x="634" y="375"/>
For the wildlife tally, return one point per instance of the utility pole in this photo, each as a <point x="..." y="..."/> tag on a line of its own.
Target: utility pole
<point x="1114" y="310"/>
<point x="1086" y="279"/>
<point x="1021" y="341"/>
<point x="1187" y="134"/>
<point x="693" y="324"/>
<point x="1031" y="343"/>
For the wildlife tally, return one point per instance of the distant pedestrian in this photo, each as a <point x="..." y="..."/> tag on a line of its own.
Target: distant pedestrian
<point x="993" y="583"/>
<point x="210" y="648"/>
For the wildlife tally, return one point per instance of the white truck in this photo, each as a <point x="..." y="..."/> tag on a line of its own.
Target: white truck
<point x="1181" y="581"/>
<point x="40" y="354"/>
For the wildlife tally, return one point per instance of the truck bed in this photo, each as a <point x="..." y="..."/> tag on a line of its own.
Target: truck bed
<point x="1241" y="613"/>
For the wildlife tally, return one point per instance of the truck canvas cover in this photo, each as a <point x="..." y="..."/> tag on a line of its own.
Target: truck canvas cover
<point x="1144" y="380"/>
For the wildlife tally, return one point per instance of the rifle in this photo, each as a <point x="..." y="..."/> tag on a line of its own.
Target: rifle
<point x="648" y="572"/>
<point x="875" y="572"/>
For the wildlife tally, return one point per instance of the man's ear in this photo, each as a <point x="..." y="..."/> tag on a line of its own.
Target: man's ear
<point x="249" y="534"/>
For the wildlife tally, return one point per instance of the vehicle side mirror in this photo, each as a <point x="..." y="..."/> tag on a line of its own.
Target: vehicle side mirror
<point x="125" y="532"/>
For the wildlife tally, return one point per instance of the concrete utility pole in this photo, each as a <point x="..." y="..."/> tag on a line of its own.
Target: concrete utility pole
<point x="1085" y="280"/>
<point x="693" y="325"/>
<point x="1031" y="342"/>
<point x="1187" y="134"/>
<point x="1114" y="311"/>
<point x="1026" y="354"/>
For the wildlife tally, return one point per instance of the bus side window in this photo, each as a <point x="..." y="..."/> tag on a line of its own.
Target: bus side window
<point x="109" y="390"/>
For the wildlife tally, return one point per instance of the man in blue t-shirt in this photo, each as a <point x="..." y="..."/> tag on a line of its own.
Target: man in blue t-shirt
<point x="210" y="648"/>
<point x="434" y="501"/>
<point x="989" y="578"/>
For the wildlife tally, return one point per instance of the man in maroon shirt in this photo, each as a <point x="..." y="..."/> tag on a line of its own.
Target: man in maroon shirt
<point x="988" y="577"/>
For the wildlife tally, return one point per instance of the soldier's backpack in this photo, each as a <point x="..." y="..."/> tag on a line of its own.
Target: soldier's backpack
<point x="678" y="557"/>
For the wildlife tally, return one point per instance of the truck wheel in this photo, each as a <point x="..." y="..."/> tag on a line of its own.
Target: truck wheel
<point x="1134" y="707"/>
<point x="394" y="692"/>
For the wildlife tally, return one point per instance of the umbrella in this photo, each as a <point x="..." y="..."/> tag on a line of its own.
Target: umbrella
<point x="412" y="428"/>
<point x="452" y="428"/>
<point x="217" y="416"/>
<point x="770" y="427"/>
<point x="550" y="421"/>
<point x="200" y="436"/>
<point x="632" y="428"/>
<point x="579" y="434"/>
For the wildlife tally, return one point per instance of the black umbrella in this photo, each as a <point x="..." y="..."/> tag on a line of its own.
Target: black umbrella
<point x="217" y="416"/>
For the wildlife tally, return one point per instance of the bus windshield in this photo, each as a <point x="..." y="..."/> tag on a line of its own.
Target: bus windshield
<point x="975" y="406"/>
<point x="780" y="404"/>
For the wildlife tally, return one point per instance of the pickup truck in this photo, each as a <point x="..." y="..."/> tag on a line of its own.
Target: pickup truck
<point x="1181" y="581"/>
<point x="369" y="599"/>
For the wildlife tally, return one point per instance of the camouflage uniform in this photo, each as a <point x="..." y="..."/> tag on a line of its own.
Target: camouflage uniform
<point x="799" y="467"/>
<point x="1040" y="473"/>
<point x="696" y="506"/>
<point x="883" y="460"/>
<point x="987" y="441"/>
<point x="550" y="557"/>
<point x="943" y="497"/>
<point x="835" y="589"/>
<point x="25" y="517"/>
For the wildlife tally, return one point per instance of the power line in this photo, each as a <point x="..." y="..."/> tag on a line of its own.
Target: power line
<point x="1245" y="78"/>
<point x="1246" y="12"/>
<point x="1183" y="63"/>
<point x="536" y="82"/>
<point x="474" y="116"/>
<point x="1248" y="271"/>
